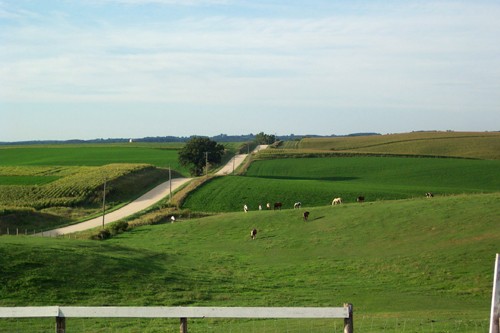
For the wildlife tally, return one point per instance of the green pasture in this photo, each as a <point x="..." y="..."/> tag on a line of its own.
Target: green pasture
<point x="83" y="155"/>
<point x="316" y="181"/>
<point x="424" y="263"/>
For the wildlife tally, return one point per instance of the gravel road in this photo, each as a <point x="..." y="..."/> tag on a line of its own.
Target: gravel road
<point x="148" y="199"/>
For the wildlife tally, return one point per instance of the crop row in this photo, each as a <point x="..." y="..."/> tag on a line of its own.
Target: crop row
<point x="79" y="185"/>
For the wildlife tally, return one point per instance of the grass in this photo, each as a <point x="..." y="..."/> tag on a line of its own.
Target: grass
<point x="482" y="145"/>
<point x="90" y="155"/>
<point x="74" y="195"/>
<point x="316" y="181"/>
<point x="421" y="259"/>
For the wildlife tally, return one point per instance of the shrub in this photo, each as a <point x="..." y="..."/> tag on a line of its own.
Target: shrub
<point x="104" y="234"/>
<point x="118" y="227"/>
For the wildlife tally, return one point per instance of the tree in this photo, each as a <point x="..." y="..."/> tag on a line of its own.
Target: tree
<point x="265" y="139"/>
<point x="199" y="151"/>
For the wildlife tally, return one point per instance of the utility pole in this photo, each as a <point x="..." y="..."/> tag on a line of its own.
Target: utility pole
<point x="170" y="182"/>
<point x="104" y="203"/>
<point x="206" y="163"/>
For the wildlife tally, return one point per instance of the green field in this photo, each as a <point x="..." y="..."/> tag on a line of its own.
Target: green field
<point x="43" y="187"/>
<point x="407" y="263"/>
<point x="414" y="261"/>
<point x="91" y="155"/>
<point x="316" y="181"/>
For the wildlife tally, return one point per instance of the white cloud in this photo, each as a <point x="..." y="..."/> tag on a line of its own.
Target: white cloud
<point x="429" y="57"/>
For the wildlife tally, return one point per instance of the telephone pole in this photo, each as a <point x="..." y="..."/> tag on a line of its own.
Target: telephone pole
<point x="206" y="163"/>
<point x="104" y="203"/>
<point x="170" y="181"/>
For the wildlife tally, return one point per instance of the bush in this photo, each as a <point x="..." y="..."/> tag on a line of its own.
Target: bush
<point x="104" y="234"/>
<point x="118" y="227"/>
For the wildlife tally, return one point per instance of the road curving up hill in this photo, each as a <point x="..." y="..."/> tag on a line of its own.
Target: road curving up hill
<point x="143" y="202"/>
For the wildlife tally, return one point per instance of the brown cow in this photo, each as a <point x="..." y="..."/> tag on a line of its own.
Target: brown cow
<point x="277" y="205"/>
<point x="306" y="216"/>
<point x="360" y="199"/>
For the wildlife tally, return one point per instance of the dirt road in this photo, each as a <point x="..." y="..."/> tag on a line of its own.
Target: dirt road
<point x="143" y="202"/>
<point x="148" y="199"/>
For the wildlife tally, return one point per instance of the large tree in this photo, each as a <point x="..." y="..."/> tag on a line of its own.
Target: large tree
<point x="265" y="139"/>
<point x="197" y="152"/>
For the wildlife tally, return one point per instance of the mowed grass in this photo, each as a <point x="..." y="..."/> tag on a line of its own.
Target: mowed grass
<point x="316" y="181"/>
<point x="429" y="260"/>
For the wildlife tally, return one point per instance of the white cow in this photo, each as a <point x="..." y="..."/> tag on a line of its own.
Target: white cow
<point x="336" y="201"/>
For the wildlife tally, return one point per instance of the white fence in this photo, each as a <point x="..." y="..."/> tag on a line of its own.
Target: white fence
<point x="495" y="299"/>
<point x="60" y="313"/>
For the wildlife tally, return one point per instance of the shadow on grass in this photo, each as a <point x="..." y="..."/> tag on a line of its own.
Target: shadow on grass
<point x="332" y="179"/>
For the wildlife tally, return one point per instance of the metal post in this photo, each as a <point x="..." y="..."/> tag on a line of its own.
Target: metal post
<point x="104" y="203"/>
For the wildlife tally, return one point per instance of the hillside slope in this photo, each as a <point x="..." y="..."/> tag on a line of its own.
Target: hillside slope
<point x="482" y="145"/>
<point x="432" y="257"/>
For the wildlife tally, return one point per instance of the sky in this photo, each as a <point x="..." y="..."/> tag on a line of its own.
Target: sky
<point x="87" y="69"/>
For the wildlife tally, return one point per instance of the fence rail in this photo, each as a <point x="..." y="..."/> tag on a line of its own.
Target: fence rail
<point x="183" y="313"/>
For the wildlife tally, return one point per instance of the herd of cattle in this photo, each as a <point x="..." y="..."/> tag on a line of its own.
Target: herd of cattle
<point x="305" y="215"/>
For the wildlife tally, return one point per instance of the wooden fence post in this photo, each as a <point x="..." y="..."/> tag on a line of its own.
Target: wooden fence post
<point x="184" y="325"/>
<point x="349" y="322"/>
<point x="60" y="325"/>
<point x="495" y="299"/>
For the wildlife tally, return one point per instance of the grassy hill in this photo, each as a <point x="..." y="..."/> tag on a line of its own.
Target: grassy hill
<point x="481" y="145"/>
<point x="426" y="259"/>
<point x="316" y="181"/>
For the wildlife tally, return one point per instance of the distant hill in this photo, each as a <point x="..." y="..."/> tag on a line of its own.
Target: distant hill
<point x="218" y="138"/>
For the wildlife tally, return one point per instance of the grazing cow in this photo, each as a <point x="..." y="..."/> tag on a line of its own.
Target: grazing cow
<point x="260" y="207"/>
<point x="306" y="216"/>
<point x="429" y="195"/>
<point x="277" y="205"/>
<point x="297" y="205"/>
<point x="336" y="201"/>
<point x="253" y="233"/>
<point x="245" y="208"/>
<point x="268" y="205"/>
<point x="360" y="199"/>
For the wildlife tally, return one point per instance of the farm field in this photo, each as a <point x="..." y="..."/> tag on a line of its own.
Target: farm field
<point x="42" y="187"/>
<point x="316" y="181"/>
<point x="425" y="263"/>
<point x="160" y="155"/>
<point x="481" y="145"/>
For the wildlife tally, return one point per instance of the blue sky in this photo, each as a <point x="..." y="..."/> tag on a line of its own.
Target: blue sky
<point x="84" y="69"/>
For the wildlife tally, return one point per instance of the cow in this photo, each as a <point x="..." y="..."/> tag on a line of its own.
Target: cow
<point x="253" y="233"/>
<point x="245" y="208"/>
<point x="306" y="216"/>
<point x="429" y="195"/>
<point x="297" y="205"/>
<point x="336" y="201"/>
<point x="277" y="205"/>
<point x="268" y="205"/>
<point x="360" y="199"/>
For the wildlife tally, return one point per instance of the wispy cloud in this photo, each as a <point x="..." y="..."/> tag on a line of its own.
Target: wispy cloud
<point x="427" y="55"/>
